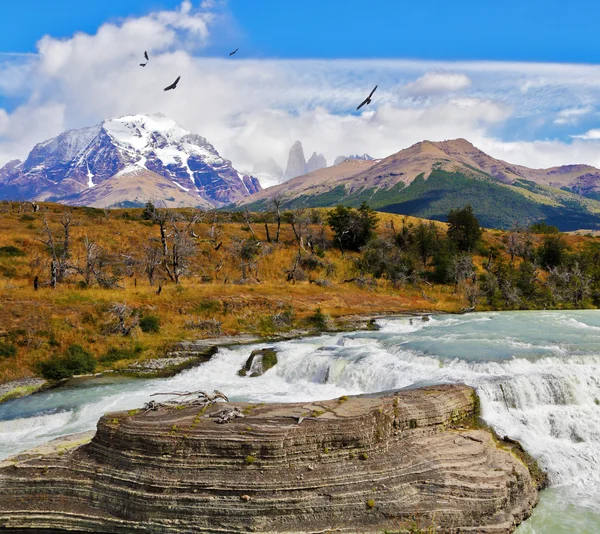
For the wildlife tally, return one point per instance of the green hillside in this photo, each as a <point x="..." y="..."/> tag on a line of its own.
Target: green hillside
<point x="495" y="205"/>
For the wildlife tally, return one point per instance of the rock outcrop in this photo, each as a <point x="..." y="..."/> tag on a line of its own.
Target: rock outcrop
<point x="341" y="159"/>
<point x="316" y="162"/>
<point x="360" y="464"/>
<point x="296" y="164"/>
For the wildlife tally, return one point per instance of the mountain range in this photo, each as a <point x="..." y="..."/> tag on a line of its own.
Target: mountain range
<point x="430" y="178"/>
<point x="127" y="161"/>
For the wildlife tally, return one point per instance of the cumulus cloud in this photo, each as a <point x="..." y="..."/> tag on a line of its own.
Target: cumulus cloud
<point x="252" y="109"/>
<point x="433" y="83"/>
<point x="589" y="135"/>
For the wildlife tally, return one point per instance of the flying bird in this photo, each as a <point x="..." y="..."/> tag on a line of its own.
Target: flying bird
<point x="147" y="59"/>
<point x="367" y="100"/>
<point x="174" y="84"/>
<point x="231" y="53"/>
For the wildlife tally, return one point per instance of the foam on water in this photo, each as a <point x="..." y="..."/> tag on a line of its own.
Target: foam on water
<point x="537" y="374"/>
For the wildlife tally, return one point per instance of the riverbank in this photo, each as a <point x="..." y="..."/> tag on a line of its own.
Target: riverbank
<point x="275" y="468"/>
<point x="188" y="354"/>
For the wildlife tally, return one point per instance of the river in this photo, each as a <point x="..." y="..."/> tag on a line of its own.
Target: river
<point x="537" y="374"/>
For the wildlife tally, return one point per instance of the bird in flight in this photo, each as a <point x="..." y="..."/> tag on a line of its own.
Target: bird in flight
<point x="231" y="53"/>
<point x="147" y="59"/>
<point x="174" y="84"/>
<point x="367" y="100"/>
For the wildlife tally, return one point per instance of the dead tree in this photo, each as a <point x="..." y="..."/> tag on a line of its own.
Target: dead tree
<point x="123" y="319"/>
<point x="98" y="266"/>
<point x="153" y="257"/>
<point x="247" y="219"/>
<point x="59" y="250"/>
<point x="179" y="246"/>
<point x="277" y="201"/>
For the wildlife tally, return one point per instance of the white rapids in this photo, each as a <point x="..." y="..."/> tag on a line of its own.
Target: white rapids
<point x="537" y="374"/>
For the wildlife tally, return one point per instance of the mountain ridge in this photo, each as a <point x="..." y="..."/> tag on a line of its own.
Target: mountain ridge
<point x="76" y="161"/>
<point x="503" y="194"/>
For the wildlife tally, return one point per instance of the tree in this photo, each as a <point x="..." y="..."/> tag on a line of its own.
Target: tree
<point x="463" y="228"/>
<point x="352" y="228"/>
<point x="426" y="240"/>
<point x="552" y="253"/>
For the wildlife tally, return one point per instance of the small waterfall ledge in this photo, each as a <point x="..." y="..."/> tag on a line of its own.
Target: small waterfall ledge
<point x="365" y="464"/>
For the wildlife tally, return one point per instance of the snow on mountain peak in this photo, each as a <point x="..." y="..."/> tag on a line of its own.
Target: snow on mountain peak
<point x="81" y="159"/>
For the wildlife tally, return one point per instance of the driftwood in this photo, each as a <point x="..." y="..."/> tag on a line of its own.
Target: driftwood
<point x="199" y="398"/>
<point x="226" y="414"/>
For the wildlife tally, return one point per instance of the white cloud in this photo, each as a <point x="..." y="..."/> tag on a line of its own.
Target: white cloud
<point x="254" y="109"/>
<point x="433" y="83"/>
<point x="589" y="135"/>
<point x="572" y="116"/>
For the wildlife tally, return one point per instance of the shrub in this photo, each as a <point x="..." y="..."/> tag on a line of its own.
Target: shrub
<point x="11" y="252"/>
<point x="208" y="307"/>
<point x="75" y="361"/>
<point x="250" y="460"/>
<point x="352" y="228"/>
<point x="115" y="354"/>
<point x="543" y="228"/>
<point x="150" y="324"/>
<point x="7" y="350"/>
<point x="370" y="503"/>
<point x="318" y="319"/>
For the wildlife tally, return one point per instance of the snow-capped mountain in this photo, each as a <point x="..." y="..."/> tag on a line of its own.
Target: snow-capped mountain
<point x="78" y="161"/>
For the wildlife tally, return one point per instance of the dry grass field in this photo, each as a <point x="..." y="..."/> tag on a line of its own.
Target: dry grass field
<point x="208" y="301"/>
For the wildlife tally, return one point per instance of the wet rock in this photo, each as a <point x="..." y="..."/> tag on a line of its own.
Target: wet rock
<point x="177" y="472"/>
<point x="259" y="362"/>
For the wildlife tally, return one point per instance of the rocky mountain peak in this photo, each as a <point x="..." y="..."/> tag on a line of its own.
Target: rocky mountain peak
<point x="296" y="164"/>
<point x="363" y="157"/>
<point x="64" y="167"/>
<point x="316" y="162"/>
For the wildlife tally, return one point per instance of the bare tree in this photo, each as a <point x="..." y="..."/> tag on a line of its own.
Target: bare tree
<point x="58" y="249"/>
<point x="248" y="223"/>
<point x="462" y="269"/>
<point x="153" y="257"/>
<point x="179" y="245"/>
<point x="248" y="253"/>
<point x="98" y="266"/>
<point x="277" y="201"/>
<point x="122" y="319"/>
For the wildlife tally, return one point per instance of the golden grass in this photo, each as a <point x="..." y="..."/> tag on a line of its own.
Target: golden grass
<point x="44" y="322"/>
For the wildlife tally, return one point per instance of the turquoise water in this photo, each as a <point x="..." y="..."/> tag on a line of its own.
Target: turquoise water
<point x="537" y="373"/>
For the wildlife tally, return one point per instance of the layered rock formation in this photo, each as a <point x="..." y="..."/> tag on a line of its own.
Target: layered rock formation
<point x="348" y="465"/>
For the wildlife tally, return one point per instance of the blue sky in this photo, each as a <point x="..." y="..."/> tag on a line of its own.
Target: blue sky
<point x="521" y="80"/>
<point x="531" y="30"/>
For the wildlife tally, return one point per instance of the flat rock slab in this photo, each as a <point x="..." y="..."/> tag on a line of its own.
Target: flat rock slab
<point x="358" y="464"/>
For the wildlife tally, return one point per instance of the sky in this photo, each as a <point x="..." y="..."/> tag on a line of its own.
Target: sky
<point x="521" y="80"/>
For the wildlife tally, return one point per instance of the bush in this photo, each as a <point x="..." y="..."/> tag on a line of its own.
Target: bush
<point x="543" y="228"/>
<point x="115" y="354"/>
<point x="353" y="229"/>
<point x="552" y="252"/>
<point x="75" y="361"/>
<point x="318" y="320"/>
<point x="150" y="324"/>
<point x="10" y="252"/>
<point x="7" y="350"/>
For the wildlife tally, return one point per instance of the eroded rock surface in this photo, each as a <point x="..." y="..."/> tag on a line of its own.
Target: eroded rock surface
<point x="359" y="464"/>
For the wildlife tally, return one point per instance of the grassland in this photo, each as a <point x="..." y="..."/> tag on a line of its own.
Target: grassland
<point x="209" y="300"/>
